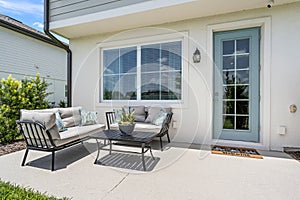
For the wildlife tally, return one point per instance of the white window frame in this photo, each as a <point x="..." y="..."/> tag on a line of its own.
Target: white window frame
<point x="157" y="39"/>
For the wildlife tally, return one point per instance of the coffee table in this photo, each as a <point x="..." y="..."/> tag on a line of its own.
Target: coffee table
<point x="136" y="139"/>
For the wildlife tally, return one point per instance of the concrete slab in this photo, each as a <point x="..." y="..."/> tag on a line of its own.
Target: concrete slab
<point x="180" y="173"/>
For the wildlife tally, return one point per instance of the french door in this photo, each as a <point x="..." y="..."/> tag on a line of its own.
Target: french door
<point x="236" y="85"/>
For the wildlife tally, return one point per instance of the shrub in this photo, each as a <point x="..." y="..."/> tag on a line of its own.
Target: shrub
<point x="14" y="192"/>
<point x="16" y="95"/>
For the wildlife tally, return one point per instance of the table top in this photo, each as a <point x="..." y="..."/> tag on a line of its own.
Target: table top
<point x="136" y="136"/>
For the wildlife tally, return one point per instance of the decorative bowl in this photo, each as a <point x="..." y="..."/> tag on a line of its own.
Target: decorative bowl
<point x="126" y="129"/>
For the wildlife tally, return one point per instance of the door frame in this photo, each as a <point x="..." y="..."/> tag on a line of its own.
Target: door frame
<point x="265" y="77"/>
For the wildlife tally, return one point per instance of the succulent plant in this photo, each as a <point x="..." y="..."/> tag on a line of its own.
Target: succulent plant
<point x="126" y="118"/>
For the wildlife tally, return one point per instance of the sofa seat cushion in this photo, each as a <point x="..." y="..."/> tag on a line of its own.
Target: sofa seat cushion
<point x="140" y="126"/>
<point x="81" y="131"/>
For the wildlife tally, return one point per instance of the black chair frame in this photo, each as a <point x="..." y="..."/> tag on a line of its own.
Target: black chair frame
<point x="38" y="138"/>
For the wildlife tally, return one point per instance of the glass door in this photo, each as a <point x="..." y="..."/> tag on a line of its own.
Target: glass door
<point x="236" y="85"/>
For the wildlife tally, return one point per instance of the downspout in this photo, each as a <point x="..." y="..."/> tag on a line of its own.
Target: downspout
<point x="62" y="45"/>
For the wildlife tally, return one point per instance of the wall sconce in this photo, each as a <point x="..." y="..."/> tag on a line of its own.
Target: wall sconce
<point x="197" y="56"/>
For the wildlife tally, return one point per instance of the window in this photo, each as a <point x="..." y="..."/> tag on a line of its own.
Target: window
<point x="143" y="72"/>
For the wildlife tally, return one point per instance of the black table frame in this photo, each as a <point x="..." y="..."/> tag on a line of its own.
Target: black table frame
<point x="136" y="139"/>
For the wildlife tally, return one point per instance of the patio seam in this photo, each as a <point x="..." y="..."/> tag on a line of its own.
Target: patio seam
<point x="111" y="190"/>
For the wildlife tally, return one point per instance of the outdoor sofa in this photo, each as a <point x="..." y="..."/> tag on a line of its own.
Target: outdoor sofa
<point x="54" y="129"/>
<point x="148" y="119"/>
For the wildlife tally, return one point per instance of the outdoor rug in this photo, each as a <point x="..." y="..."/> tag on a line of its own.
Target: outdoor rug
<point x="235" y="151"/>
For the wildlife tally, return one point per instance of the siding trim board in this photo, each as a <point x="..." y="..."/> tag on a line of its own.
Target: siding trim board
<point x="60" y="10"/>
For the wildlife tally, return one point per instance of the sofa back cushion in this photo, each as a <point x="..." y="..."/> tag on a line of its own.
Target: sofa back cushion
<point x="70" y="116"/>
<point x="139" y="113"/>
<point x="47" y="118"/>
<point x="154" y="112"/>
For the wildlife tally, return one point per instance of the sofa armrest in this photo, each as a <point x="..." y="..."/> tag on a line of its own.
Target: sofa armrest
<point x="166" y="124"/>
<point x="35" y="134"/>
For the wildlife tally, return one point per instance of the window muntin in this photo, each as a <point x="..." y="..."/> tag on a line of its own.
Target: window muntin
<point x="160" y="74"/>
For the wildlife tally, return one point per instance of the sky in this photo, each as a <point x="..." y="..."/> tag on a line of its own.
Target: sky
<point x="29" y="12"/>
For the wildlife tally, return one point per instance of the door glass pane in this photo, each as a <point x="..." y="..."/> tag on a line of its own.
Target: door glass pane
<point x="242" y="123"/>
<point x="242" y="92"/>
<point x="228" y="77"/>
<point x="242" y="61"/>
<point x="228" y="107"/>
<point x="242" y="46"/>
<point x="242" y="77"/>
<point x="229" y="92"/>
<point x="228" y="122"/>
<point x="228" y="47"/>
<point x="242" y="107"/>
<point x="228" y="62"/>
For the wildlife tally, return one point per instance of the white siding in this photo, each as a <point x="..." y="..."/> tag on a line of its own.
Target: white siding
<point x="63" y="9"/>
<point x="280" y="83"/>
<point x="22" y="55"/>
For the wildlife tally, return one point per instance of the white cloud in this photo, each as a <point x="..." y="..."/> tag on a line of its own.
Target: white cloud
<point x="38" y="24"/>
<point x="22" y="7"/>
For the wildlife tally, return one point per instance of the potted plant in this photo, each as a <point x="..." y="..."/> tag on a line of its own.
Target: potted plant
<point x="126" y="123"/>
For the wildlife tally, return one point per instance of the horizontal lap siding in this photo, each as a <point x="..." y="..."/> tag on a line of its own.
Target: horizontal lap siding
<point x="64" y="9"/>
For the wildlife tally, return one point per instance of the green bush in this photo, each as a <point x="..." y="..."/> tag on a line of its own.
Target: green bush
<point x="16" y="95"/>
<point x="14" y="192"/>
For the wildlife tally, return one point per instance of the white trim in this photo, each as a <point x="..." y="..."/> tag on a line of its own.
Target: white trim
<point x="117" y="12"/>
<point x="265" y="76"/>
<point x="139" y="41"/>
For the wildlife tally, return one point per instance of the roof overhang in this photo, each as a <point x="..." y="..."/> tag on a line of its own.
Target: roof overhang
<point x="151" y="13"/>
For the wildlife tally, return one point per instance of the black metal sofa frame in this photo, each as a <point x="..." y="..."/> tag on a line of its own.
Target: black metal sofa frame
<point x="38" y="138"/>
<point x="111" y="117"/>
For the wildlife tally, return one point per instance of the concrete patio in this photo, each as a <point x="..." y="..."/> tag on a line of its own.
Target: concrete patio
<point x="179" y="172"/>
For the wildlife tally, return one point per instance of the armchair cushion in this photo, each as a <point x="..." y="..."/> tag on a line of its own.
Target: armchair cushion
<point x="139" y="113"/>
<point x="153" y="113"/>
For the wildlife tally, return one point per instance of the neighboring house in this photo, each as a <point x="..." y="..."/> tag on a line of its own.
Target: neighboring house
<point x="25" y="51"/>
<point x="140" y="52"/>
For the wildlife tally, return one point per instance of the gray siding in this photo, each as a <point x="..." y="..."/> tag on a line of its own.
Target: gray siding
<point x="21" y="56"/>
<point x="64" y="9"/>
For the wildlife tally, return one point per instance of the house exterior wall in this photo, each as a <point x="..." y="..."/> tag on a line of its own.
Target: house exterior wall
<point x="67" y="9"/>
<point x="21" y="55"/>
<point x="279" y="74"/>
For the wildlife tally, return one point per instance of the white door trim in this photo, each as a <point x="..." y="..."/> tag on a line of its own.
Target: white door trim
<point x="265" y="79"/>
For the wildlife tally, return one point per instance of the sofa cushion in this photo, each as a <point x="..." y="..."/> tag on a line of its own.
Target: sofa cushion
<point x="159" y="118"/>
<point x="88" y="118"/>
<point x="47" y="118"/>
<point x="70" y="116"/>
<point x="154" y="111"/>
<point x="59" y="123"/>
<point x="140" y="126"/>
<point x="81" y="131"/>
<point x="139" y="113"/>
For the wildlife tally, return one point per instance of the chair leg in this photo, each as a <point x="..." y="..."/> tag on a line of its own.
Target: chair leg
<point x="53" y="158"/>
<point x="24" y="158"/>
<point x="161" y="145"/>
<point x="168" y="137"/>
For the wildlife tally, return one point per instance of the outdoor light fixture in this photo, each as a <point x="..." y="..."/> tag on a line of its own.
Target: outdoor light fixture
<point x="197" y="56"/>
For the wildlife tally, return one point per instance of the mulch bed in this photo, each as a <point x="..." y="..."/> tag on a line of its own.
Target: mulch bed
<point x="12" y="147"/>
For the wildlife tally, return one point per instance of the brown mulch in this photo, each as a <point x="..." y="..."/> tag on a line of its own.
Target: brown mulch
<point x="12" y="147"/>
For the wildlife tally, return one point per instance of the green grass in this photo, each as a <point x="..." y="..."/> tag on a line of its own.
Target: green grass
<point x="9" y="191"/>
